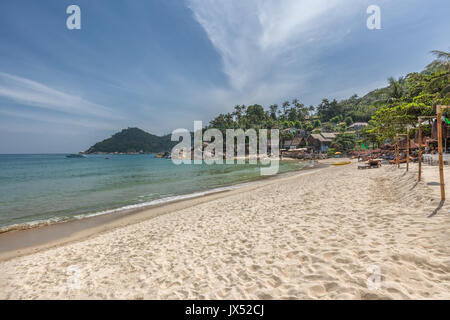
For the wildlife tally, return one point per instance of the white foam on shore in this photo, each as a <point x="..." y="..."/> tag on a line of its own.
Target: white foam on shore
<point x="164" y="200"/>
<point x="148" y="204"/>
<point x="143" y="205"/>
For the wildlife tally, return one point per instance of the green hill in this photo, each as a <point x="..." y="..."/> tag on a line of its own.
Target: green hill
<point x="133" y="140"/>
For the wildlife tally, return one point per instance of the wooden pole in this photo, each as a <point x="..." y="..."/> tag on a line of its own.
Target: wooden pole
<point x="420" y="148"/>
<point x="407" y="149"/>
<point x="397" y="152"/>
<point x="441" y="164"/>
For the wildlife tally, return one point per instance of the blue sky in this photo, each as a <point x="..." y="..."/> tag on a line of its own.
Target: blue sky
<point x="161" y="64"/>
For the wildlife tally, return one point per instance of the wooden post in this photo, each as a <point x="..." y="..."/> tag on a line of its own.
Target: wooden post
<point x="397" y="152"/>
<point x="441" y="164"/>
<point x="407" y="149"/>
<point x="420" y="148"/>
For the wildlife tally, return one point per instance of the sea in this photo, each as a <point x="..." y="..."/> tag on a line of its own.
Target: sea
<point x="48" y="188"/>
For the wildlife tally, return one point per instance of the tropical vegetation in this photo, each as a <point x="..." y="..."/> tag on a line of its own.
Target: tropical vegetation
<point x="387" y="110"/>
<point x="133" y="140"/>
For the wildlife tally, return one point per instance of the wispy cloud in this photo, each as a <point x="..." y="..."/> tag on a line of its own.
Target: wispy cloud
<point x="267" y="47"/>
<point x="35" y="94"/>
<point x="57" y="119"/>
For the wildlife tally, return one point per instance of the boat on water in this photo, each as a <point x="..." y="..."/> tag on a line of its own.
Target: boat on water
<point x="75" y="155"/>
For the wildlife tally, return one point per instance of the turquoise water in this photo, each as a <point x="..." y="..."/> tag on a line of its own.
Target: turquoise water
<point x="53" y="187"/>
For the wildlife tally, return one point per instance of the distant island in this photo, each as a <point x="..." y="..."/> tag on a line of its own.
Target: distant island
<point x="133" y="141"/>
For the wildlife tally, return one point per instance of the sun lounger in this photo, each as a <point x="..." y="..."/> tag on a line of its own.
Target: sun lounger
<point x="369" y="164"/>
<point x="374" y="163"/>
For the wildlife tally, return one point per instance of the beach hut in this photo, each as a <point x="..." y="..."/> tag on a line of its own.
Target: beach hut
<point x="321" y="141"/>
<point x="296" y="143"/>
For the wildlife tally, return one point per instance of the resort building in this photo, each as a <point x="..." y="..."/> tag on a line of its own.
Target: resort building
<point x="358" y="126"/>
<point x="320" y="142"/>
<point x="297" y="142"/>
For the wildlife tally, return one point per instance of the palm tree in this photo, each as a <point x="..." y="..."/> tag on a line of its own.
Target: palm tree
<point x="396" y="88"/>
<point x="285" y="105"/>
<point x="273" y="111"/>
<point x="441" y="54"/>
<point x="237" y="113"/>
<point x="442" y="61"/>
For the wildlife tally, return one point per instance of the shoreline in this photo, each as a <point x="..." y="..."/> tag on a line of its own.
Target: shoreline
<point x="39" y="223"/>
<point x="326" y="233"/>
<point x="31" y="238"/>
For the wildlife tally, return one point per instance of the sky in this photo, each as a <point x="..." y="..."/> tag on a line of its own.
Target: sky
<point x="161" y="64"/>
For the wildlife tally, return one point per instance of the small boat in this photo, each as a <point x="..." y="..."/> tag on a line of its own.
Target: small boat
<point x="341" y="163"/>
<point x="75" y="155"/>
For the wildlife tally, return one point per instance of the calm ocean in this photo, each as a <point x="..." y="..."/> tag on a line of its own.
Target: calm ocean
<point x="52" y="187"/>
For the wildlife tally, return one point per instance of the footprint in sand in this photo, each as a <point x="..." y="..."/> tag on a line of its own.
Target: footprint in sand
<point x="316" y="291"/>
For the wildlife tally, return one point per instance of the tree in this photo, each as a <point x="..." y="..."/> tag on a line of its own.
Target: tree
<point x="328" y="127"/>
<point x="348" y="121"/>
<point x="286" y="135"/>
<point x="285" y="105"/>
<point x="441" y="54"/>
<point x="308" y="127"/>
<point x="273" y="111"/>
<point x="344" y="142"/>
<point x="237" y="113"/>
<point x="421" y="92"/>
<point x="292" y="114"/>
<point x="396" y="88"/>
<point x="336" y="119"/>
<point x="301" y="110"/>
<point x="256" y="117"/>
<point x="327" y="110"/>
<point x="317" y="124"/>
<point x="222" y="122"/>
<point x="442" y="61"/>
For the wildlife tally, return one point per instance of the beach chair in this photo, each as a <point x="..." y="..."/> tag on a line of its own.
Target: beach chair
<point x="374" y="163"/>
<point x="363" y="166"/>
<point x="371" y="163"/>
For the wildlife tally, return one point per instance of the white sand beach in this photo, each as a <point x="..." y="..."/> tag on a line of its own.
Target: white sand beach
<point x="327" y="234"/>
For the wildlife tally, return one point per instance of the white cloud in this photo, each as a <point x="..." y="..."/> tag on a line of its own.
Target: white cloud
<point x="282" y="21"/>
<point x="267" y="47"/>
<point x="32" y="93"/>
<point x="61" y="120"/>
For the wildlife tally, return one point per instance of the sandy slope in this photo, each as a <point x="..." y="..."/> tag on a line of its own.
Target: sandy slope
<point x="320" y="235"/>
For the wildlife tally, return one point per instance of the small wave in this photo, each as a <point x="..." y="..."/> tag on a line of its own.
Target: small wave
<point x="141" y="205"/>
<point x="54" y="220"/>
